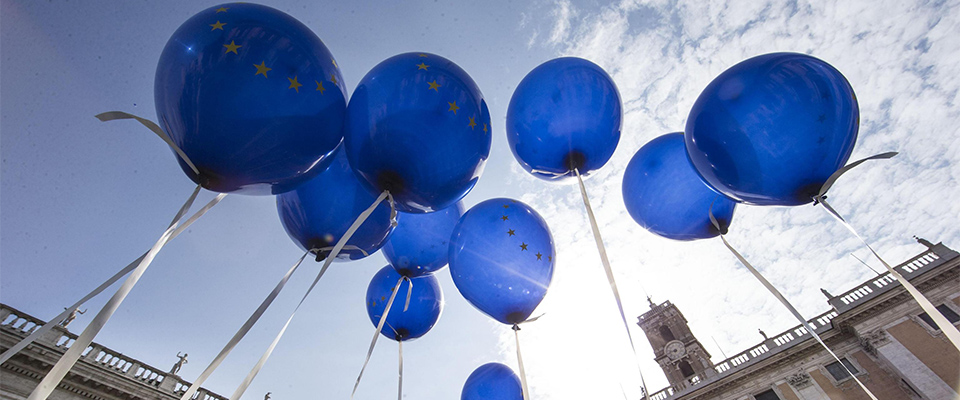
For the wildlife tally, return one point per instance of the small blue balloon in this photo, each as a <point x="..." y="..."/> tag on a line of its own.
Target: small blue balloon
<point x="501" y="259"/>
<point x="664" y="194"/>
<point x="318" y="213"/>
<point x="771" y="130"/>
<point x="564" y="115"/>
<point x="419" y="127"/>
<point x="492" y="381"/>
<point x="252" y="97"/>
<point x="426" y="303"/>
<point x="420" y="243"/>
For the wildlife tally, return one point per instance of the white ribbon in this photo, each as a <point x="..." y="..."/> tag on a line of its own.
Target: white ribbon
<point x="326" y="264"/>
<point x="242" y="332"/>
<point x="115" y="115"/>
<point x="610" y="278"/>
<point x="400" y="384"/>
<point x="103" y="286"/>
<point x="523" y="374"/>
<point x="56" y="374"/>
<point x="376" y="335"/>
<point x="783" y="300"/>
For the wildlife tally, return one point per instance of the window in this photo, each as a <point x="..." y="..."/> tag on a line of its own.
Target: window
<point x="838" y="372"/>
<point x="666" y="334"/>
<point x="685" y="369"/>
<point x="947" y="312"/>
<point x="767" y="395"/>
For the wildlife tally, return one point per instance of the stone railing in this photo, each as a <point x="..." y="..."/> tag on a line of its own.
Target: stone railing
<point x="20" y="325"/>
<point x="926" y="261"/>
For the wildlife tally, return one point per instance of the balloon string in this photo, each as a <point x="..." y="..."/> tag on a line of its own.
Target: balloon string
<point x="103" y="286"/>
<point x="376" y="335"/>
<point x="523" y="373"/>
<point x="406" y="305"/>
<point x="242" y="332"/>
<point x="326" y="264"/>
<point x="946" y="326"/>
<point x="115" y="115"/>
<point x="56" y="374"/>
<point x="400" y="384"/>
<point x="776" y="293"/>
<point x="610" y="278"/>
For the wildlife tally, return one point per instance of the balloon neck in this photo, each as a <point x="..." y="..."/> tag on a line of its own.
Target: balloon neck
<point x="402" y="334"/>
<point x="390" y="181"/>
<point x="516" y="318"/>
<point x="516" y="327"/>
<point x="575" y="160"/>
<point x="322" y="255"/>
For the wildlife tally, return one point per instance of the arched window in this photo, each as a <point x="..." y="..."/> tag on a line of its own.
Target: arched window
<point x="666" y="333"/>
<point x="685" y="369"/>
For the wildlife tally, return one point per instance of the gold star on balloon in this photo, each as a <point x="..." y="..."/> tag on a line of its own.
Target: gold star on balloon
<point x="320" y="87"/>
<point x="472" y="123"/>
<point x="335" y="63"/>
<point x="538" y="256"/>
<point x="510" y="232"/>
<point x="422" y="66"/>
<point x="453" y="107"/>
<point x="434" y="86"/>
<point x="484" y="127"/>
<point x="219" y="25"/>
<point x="262" y="69"/>
<point x="333" y="78"/>
<point x="549" y="258"/>
<point x="504" y="218"/>
<point x="232" y="47"/>
<point x="523" y="246"/>
<point x="506" y="206"/>
<point x="422" y="55"/>
<point x="294" y="84"/>
<point x="221" y="9"/>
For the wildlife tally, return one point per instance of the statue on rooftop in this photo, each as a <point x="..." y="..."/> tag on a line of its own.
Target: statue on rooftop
<point x="176" y="367"/>
<point x="73" y="315"/>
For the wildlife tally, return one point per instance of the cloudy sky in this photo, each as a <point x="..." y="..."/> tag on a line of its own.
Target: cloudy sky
<point x="80" y="199"/>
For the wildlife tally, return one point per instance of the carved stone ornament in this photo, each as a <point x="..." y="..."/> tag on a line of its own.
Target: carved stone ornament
<point x="870" y="341"/>
<point x="799" y="380"/>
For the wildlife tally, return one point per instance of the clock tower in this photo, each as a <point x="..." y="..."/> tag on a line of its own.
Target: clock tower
<point x="679" y="353"/>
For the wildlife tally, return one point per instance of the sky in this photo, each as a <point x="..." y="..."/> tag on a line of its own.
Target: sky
<point x="79" y="199"/>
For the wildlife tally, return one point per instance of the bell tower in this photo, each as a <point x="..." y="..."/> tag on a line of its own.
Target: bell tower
<point x="679" y="353"/>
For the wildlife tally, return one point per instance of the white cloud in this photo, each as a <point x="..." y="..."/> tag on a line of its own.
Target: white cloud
<point x="904" y="65"/>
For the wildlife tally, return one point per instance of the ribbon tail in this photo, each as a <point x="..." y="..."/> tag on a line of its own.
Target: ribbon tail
<point x="945" y="325"/>
<point x="610" y="278"/>
<point x="400" y="385"/>
<point x="836" y="175"/>
<point x="406" y="304"/>
<point x="56" y="374"/>
<point x="326" y="264"/>
<point x="115" y="115"/>
<point x="242" y="332"/>
<point x="776" y="293"/>
<point x="523" y="375"/>
<point x="376" y="335"/>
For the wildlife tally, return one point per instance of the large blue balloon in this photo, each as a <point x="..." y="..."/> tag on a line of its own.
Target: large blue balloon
<point x="420" y="243"/>
<point x="318" y="213"/>
<point x="501" y="259"/>
<point x="664" y="194"/>
<point x="492" y="381"/>
<point x="419" y="127"/>
<point x="426" y="303"/>
<point x="565" y="114"/>
<point x="253" y="98"/>
<point x="771" y="130"/>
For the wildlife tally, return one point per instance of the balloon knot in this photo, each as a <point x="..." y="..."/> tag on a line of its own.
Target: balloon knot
<point x="516" y="327"/>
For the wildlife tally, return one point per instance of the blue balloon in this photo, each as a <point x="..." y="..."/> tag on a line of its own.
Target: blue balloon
<point x="420" y="243"/>
<point x="318" y="213"/>
<point x="664" y="194"/>
<point x="253" y="98"/>
<point x="492" y="381"/>
<point x="418" y="126"/>
<point x="426" y="303"/>
<point x="771" y="130"/>
<point x="502" y="258"/>
<point x="564" y="115"/>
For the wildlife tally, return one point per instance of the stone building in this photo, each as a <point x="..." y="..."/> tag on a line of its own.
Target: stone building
<point x="100" y="374"/>
<point x="876" y="328"/>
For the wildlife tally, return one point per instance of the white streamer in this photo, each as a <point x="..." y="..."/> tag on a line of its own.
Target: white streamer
<point x="56" y="374"/>
<point x="776" y="293"/>
<point x="242" y="332"/>
<point x="115" y="115"/>
<point x="400" y="384"/>
<point x="523" y="374"/>
<point x="326" y="264"/>
<point x="376" y="335"/>
<point x="610" y="278"/>
<point x="103" y="286"/>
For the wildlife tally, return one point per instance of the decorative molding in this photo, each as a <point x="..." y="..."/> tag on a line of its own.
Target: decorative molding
<point x="870" y="341"/>
<point x="799" y="380"/>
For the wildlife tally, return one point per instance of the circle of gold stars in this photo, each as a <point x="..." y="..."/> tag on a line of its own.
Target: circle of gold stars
<point x="524" y="246"/>
<point x="451" y="105"/>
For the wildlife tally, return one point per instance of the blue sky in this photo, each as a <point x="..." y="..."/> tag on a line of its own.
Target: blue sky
<point x="79" y="199"/>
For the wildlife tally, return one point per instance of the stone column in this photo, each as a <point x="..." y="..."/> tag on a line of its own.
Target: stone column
<point x="805" y="387"/>
<point x="907" y="365"/>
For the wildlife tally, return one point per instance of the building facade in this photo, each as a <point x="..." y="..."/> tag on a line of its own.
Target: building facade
<point x="100" y="374"/>
<point x="876" y="328"/>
